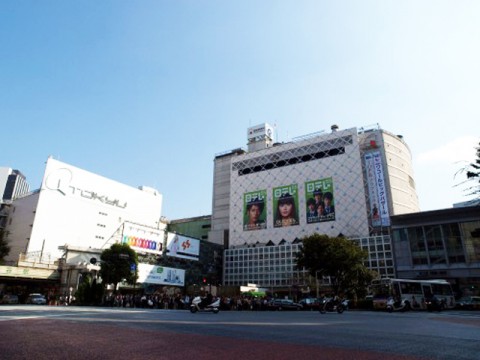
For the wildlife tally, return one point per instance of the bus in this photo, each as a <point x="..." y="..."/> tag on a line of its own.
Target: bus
<point x="411" y="292"/>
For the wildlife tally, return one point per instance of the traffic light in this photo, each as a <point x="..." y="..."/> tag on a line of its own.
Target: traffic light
<point x="204" y="280"/>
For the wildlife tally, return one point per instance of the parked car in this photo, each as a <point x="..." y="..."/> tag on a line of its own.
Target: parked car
<point x="469" y="303"/>
<point x="9" y="299"/>
<point x="37" y="299"/>
<point x="283" y="304"/>
<point x="310" y="304"/>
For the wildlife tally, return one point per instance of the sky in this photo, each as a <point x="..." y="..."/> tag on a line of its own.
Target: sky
<point x="148" y="92"/>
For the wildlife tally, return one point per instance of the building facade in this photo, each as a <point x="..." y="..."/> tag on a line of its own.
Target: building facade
<point x="440" y="244"/>
<point x="56" y="230"/>
<point x="345" y="182"/>
<point x="12" y="184"/>
<point x="197" y="227"/>
<point x="79" y="208"/>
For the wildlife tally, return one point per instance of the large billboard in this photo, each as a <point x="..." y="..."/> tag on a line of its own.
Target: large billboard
<point x="254" y="210"/>
<point x="285" y="205"/>
<point x="142" y="238"/>
<point x="319" y="200"/>
<point x="161" y="275"/>
<point x="183" y="247"/>
<point x="377" y="190"/>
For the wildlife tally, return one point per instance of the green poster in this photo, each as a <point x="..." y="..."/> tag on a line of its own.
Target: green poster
<point x="254" y="212"/>
<point x="285" y="205"/>
<point x="319" y="200"/>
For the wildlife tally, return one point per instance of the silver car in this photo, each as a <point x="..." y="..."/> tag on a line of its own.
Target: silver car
<point x="37" y="299"/>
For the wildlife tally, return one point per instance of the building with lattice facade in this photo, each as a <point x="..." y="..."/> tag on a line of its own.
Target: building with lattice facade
<point x="344" y="182"/>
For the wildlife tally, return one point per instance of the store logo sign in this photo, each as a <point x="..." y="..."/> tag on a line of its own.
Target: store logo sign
<point x="60" y="179"/>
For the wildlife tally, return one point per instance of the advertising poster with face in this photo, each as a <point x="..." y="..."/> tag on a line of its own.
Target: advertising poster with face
<point x="254" y="210"/>
<point x="285" y="205"/>
<point x="319" y="200"/>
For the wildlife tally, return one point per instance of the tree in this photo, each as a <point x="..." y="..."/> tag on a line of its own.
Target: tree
<point x="472" y="172"/>
<point x="117" y="264"/>
<point x="4" y="248"/>
<point x="89" y="291"/>
<point x="340" y="259"/>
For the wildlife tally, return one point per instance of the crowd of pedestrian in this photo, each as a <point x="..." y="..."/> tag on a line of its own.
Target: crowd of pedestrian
<point x="155" y="301"/>
<point x="178" y="301"/>
<point x="243" y="303"/>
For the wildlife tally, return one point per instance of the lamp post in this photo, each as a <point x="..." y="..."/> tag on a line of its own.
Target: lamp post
<point x="316" y="281"/>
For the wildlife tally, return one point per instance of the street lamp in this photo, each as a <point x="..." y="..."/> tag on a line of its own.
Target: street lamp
<point x="316" y="281"/>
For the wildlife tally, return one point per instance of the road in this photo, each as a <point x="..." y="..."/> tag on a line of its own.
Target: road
<point x="49" y="332"/>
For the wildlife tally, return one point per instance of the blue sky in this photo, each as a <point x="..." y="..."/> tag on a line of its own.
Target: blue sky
<point x="147" y="92"/>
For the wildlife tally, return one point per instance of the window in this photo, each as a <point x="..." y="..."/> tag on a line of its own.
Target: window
<point x="417" y="246"/>
<point x="472" y="240"/>
<point x="453" y="243"/>
<point x="436" y="251"/>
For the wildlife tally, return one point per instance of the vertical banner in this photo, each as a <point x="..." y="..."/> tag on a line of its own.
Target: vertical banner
<point x="285" y="205"/>
<point x="254" y="213"/>
<point x="377" y="191"/>
<point x="319" y="200"/>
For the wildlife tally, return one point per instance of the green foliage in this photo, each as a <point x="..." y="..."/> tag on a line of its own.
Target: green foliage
<point x="340" y="259"/>
<point x="89" y="291"/>
<point x="4" y="247"/>
<point x="472" y="174"/>
<point x="116" y="265"/>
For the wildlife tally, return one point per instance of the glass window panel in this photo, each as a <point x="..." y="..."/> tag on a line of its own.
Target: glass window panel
<point x="436" y="249"/>
<point x="417" y="246"/>
<point x="471" y="233"/>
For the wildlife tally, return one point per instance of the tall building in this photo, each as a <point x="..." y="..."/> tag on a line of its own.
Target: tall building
<point x="342" y="182"/>
<point x="13" y="184"/>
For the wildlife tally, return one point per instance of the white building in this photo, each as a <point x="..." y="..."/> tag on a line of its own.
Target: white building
<point x="77" y="208"/>
<point x="366" y="174"/>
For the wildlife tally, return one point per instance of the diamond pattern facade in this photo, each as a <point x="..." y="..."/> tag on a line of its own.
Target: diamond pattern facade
<point x="339" y="163"/>
<point x="335" y="156"/>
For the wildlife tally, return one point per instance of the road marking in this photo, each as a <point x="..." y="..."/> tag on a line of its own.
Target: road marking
<point x="182" y="322"/>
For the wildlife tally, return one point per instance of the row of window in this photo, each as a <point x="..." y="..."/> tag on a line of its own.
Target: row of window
<point x="275" y="265"/>
<point x="258" y="257"/>
<point x="379" y="263"/>
<point x="258" y="270"/>
<point x="264" y="249"/>
<point x="263" y="262"/>
<point x="441" y="244"/>
<point x="264" y="283"/>
<point x="293" y="156"/>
